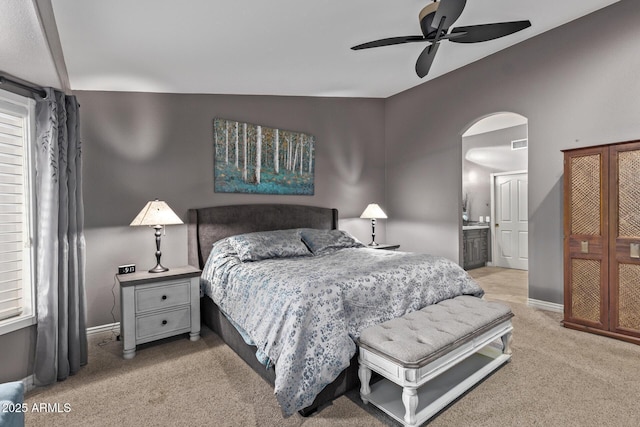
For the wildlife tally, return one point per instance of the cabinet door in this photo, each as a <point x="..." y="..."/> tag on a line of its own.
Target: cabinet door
<point x="586" y="237"/>
<point x="475" y="249"/>
<point x="466" y="255"/>
<point x="624" y="211"/>
<point x="484" y="246"/>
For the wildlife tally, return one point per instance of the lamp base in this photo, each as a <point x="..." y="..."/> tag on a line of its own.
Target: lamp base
<point x="373" y="233"/>
<point x="158" y="269"/>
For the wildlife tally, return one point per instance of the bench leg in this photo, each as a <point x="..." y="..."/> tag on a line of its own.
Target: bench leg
<point x="506" y="343"/>
<point x="364" y="374"/>
<point x="410" y="400"/>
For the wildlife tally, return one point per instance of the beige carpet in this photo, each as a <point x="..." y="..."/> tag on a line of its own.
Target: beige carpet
<point x="557" y="377"/>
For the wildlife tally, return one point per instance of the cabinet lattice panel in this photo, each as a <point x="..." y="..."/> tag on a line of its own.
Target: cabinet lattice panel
<point x="585" y="289"/>
<point x="629" y="298"/>
<point x="585" y="195"/>
<point x="629" y="194"/>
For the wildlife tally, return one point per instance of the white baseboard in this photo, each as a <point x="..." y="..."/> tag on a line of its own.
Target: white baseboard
<point x="104" y="328"/>
<point x="29" y="383"/>
<point x="545" y="305"/>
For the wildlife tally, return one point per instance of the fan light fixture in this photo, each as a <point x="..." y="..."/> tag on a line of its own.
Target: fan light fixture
<point x="435" y="20"/>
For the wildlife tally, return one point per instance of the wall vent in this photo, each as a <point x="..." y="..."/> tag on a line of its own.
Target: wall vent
<point x="519" y="144"/>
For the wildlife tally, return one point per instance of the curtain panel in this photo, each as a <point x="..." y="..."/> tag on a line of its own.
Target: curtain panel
<point x="61" y="343"/>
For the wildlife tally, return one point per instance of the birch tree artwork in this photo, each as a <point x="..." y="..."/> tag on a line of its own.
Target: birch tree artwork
<point x="261" y="160"/>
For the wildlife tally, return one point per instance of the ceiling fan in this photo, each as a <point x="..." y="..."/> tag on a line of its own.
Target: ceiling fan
<point x="435" y="20"/>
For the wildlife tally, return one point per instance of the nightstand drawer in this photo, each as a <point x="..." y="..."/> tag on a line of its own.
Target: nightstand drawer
<point x="170" y="294"/>
<point x="158" y="305"/>
<point x="163" y="323"/>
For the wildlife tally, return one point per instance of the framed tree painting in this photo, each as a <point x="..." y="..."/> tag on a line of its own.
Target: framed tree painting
<point x="257" y="159"/>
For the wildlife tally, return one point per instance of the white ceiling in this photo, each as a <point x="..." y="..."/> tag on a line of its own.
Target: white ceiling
<point x="24" y="52"/>
<point x="498" y="157"/>
<point x="275" y="47"/>
<point x="495" y="122"/>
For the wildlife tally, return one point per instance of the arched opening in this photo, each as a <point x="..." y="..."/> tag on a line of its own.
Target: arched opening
<point x="494" y="202"/>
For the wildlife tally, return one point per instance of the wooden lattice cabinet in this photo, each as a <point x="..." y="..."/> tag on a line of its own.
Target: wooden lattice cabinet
<point x="602" y="240"/>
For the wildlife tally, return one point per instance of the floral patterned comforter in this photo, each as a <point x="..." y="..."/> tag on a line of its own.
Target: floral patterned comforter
<point x="305" y="313"/>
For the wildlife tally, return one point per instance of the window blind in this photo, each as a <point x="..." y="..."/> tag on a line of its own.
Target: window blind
<point x="12" y="211"/>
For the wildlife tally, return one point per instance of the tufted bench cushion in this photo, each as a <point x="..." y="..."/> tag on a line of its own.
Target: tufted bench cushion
<point x="428" y="358"/>
<point x="421" y="336"/>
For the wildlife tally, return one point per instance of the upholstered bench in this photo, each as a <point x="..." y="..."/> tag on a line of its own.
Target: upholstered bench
<point x="430" y="357"/>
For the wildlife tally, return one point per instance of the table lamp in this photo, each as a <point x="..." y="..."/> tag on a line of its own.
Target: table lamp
<point x="373" y="212"/>
<point x="156" y="214"/>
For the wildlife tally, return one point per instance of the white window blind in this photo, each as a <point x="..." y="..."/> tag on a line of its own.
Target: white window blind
<point x="15" y="291"/>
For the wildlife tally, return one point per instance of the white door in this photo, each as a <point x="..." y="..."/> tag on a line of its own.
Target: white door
<point x="511" y="221"/>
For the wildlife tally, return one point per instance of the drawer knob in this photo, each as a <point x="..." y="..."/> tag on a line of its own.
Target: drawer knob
<point x="164" y="297"/>
<point x="164" y="322"/>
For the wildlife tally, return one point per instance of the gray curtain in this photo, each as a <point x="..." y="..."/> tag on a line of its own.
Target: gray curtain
<point x="61" y="343"/>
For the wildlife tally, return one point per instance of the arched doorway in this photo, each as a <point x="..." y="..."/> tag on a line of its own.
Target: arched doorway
<point x="494" y="195"/>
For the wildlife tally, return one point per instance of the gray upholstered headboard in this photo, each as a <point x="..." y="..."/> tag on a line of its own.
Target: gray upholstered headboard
<point x="208" y="225"/>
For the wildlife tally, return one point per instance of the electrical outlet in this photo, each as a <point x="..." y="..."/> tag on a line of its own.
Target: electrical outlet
<point x="126" y="269"/>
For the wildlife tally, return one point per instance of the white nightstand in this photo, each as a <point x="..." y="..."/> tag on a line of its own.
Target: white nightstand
<point x="158" y="305"/>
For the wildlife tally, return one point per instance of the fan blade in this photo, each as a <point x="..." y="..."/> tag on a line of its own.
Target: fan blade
<point x="451" y="10"/>
<point x="390" y="41"/>
<point x="423" y="64"/>
<point x="483" y="33"/>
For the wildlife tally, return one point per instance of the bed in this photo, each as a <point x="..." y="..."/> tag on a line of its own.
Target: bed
<point x="223" y="224"/>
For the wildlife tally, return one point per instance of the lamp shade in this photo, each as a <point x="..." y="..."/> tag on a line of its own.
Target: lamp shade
<point x="156" y="212"/>
<point x="373" y="211"/>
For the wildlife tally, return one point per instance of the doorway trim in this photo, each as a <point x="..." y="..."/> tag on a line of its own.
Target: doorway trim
<point x="492" y="224"/>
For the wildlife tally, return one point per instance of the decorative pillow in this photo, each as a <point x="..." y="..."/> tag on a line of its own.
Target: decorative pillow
<point x="322" y="240"/>
<point x="269" y="244"/>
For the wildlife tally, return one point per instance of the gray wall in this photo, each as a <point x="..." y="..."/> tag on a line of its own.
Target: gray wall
<point x="575" y="89"/>
<point x="17" y="354"/>
<point x="138" y="146"/>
